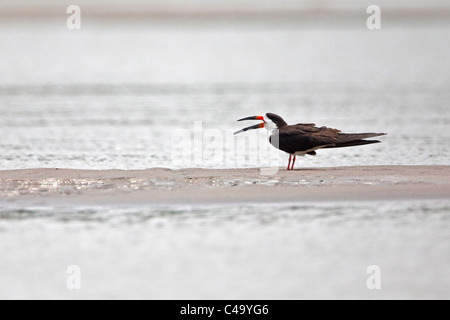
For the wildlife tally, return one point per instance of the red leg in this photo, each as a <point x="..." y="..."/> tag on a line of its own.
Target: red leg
<point x="289" y="162"/>
<point x="293" y="161"/>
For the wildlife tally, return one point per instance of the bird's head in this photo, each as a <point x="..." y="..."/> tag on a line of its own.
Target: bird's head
<point x="270" y="121"/>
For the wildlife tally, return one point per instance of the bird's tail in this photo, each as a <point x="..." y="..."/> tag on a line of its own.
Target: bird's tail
<point x="345" y="137"/>
<point x="354" y="139"/>
<point x="352" y="143"/>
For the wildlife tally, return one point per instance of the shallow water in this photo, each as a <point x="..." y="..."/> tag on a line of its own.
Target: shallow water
<point x="288" y="251"/>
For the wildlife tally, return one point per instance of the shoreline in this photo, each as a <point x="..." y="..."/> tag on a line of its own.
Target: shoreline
<point x="213" y="11"/>
<point x="72" y="187"/>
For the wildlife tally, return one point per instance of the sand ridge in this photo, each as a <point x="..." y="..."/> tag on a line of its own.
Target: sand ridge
<point x="51" y="186"/>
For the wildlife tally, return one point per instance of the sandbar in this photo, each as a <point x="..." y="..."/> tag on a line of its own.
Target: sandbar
<point x="70" y="187"/>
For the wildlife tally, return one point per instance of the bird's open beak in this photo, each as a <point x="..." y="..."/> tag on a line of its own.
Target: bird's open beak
<point x="256" y="126"/>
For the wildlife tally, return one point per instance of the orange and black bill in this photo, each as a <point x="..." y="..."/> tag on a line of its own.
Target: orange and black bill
<point x="256" y="126"/>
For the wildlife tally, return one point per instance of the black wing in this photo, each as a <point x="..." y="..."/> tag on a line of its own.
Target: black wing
<point x="354" y="139"/>
<point x="304" y="137"/>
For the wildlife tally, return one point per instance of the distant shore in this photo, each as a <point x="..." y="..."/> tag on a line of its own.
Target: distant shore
<point x="219" y="10"/>
<point x="67" y="187"/>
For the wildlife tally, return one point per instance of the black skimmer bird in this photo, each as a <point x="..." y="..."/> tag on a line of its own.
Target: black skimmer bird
<point x="305" y="138"/>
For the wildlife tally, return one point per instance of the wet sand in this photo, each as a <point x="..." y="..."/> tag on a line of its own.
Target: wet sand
<point x="64" y="187"/>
